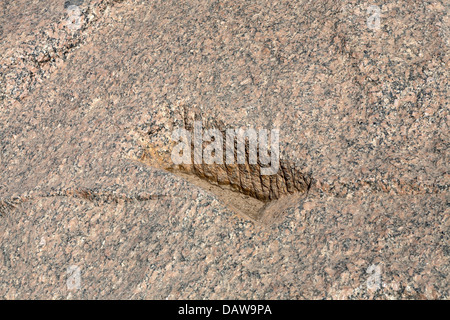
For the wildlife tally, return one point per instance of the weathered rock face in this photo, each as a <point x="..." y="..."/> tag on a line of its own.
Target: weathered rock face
<point x="87" y="116"/>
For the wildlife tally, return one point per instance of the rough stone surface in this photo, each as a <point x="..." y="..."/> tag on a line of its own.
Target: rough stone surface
<point x="364" y="112"/>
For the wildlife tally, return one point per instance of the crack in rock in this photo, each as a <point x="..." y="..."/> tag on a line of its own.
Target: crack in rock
<point x="96" y="197"/>
<point x="34" y="61"/>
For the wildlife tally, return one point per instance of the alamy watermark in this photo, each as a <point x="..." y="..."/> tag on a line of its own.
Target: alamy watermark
<point x="374" y="279"/>
<point x="73" y="277"/>
<point x="374" y="19"/>
<point x="74" y="19"/>
<point x="236" y="141"/>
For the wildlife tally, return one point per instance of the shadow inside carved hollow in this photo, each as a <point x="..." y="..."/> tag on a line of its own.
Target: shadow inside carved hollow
<point x="241" y="187"/>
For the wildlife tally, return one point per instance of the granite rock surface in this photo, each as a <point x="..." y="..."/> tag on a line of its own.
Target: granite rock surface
<point x="362" y="108"/>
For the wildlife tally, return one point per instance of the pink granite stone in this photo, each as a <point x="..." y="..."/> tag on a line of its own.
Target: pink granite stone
<point x="364" y="111"/>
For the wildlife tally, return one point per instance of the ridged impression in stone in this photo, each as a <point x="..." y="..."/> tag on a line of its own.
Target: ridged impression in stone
<point x="241" y="187"/>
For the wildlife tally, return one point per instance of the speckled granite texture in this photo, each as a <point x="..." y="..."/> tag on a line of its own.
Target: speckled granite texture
<point x="365" y="112"/>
